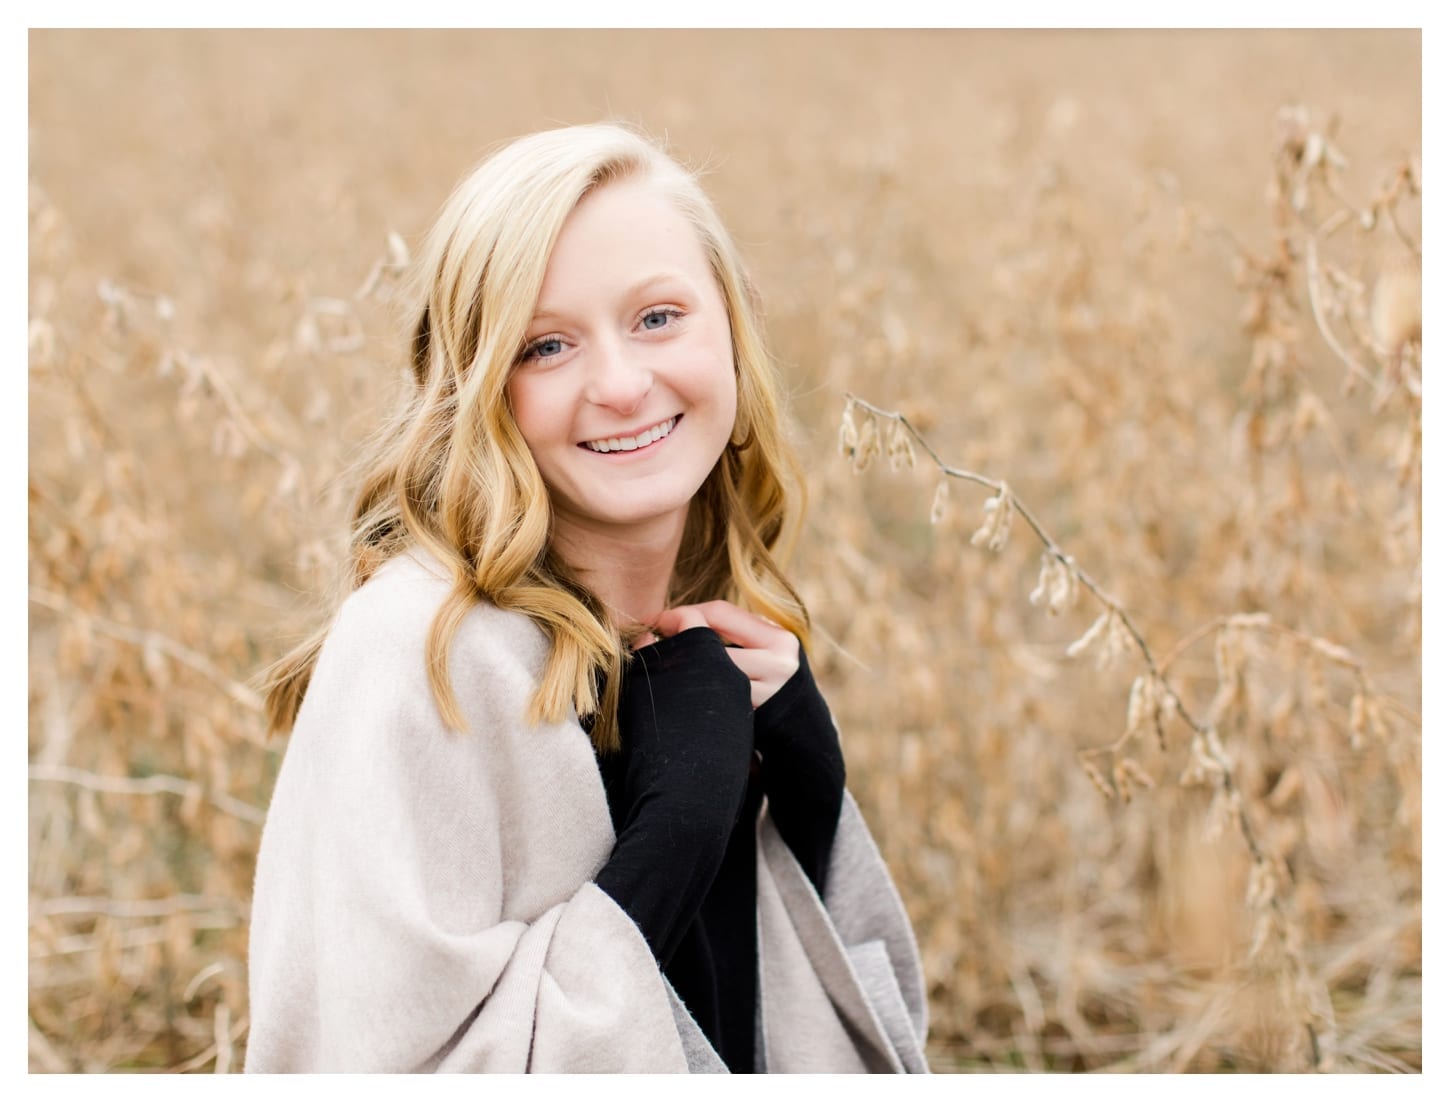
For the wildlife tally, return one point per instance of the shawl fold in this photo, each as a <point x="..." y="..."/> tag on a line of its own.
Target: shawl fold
<point x="424" y="898"/>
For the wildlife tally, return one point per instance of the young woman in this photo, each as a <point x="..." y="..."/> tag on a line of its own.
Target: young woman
<point x="561" y="793"/>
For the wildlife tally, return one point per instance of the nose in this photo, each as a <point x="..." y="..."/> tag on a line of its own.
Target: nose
<point x="617" y="379"/>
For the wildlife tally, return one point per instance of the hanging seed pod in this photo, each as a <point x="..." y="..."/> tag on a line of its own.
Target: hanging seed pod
<point x="899" y="450"/>
<point x="1120" y="642"/>
<point x="1064" y="588"/>
<point x="868" y="446"/>
<point x="939" y="502"/>
<point x="1163" y="708"/>
<point x="849" y="435"/>
<point x="1045" y="576"/>
<point x="1136" y="773"/>
<point x="1100" y="782"/>
<point x="997" y="522"/>
<point x="1089" y="637"/>
<point x="1139" y="703"/>
<point x="1120" y="782"/>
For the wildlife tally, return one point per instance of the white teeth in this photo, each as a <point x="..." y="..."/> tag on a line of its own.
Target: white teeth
<point x="632" y="443"/>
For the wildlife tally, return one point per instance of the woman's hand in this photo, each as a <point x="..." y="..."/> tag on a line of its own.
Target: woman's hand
<point x="766" y="653"/>
<point x="802" y="768"/>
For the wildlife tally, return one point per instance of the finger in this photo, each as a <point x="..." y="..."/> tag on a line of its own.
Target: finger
<point x="745" y="661"/>
<point x="672" y="621"/>
<point x="762" y="665"/>
<point x="735" y="625"/>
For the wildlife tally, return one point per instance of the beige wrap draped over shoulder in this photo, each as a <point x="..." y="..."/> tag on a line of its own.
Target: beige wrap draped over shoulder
<point x="424" y="898"/>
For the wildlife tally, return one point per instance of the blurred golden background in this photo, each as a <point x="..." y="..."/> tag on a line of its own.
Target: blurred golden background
<point x="1164" y="285"/>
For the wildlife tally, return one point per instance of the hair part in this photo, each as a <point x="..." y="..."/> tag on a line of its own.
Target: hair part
<point x="450" y="471"/>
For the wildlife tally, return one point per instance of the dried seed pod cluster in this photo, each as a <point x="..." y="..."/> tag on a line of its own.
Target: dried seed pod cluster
<point x="1109" y="637"/>
<point x="1057" y="584"/>
<point x="997" y="522"/>
<point x="899" y="452"/>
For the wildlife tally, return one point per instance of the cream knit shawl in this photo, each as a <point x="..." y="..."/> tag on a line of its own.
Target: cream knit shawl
<point x="424" y="898"/>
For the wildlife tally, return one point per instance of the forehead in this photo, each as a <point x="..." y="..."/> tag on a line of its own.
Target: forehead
<point x="619" y="237"/>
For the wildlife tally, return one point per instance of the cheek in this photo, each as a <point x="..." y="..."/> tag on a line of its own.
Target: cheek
<point x="717" y="371"/>
<point x="729" y="386"/>
<point x="531" y="410"/>
<point x="710" y="386"/>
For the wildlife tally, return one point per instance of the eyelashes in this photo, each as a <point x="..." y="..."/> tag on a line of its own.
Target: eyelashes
<point x="534" y="350"/>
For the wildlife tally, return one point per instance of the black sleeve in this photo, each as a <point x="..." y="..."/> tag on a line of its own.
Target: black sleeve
<point x="802" y="770"/>
<point x="677" y="786"/>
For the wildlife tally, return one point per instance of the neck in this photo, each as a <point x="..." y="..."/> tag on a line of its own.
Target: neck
<point x="629" y="569"/>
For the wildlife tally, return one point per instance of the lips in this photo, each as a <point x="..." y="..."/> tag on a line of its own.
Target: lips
<point x="633" y="442"/>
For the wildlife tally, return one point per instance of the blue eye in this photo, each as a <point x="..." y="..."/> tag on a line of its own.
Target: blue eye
<point x="544" y="349"/>
<point x="662" y="316"/>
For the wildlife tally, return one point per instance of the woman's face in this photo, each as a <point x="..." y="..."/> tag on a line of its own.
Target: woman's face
<point x="625" y="393"/>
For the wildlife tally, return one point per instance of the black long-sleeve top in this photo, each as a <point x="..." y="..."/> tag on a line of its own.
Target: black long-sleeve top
<point x="692" y="891"/>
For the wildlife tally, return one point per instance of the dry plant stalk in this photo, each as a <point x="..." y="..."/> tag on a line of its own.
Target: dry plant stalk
<point x="1379" y="347"/>
<point x="1113" y="634"/>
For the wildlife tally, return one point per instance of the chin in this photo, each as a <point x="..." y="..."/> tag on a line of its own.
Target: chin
<point x="624" y="515"/>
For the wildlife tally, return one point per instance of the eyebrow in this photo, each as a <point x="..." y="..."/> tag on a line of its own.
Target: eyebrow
<point x="632" y="291"/>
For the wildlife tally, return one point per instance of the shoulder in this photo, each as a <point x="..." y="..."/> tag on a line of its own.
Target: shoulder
<point x="375" y="654"/>
<point x="390" y="617"/>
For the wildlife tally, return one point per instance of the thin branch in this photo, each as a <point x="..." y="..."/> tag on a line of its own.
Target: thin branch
<point x="132" y="939"/>
<point x="1322" y="647"/>
<point x="1311" y="279"/>
<point x="136" y="908"/>
<point x="224" y="1040"/>
<point x="1111" y="602"/>
<point x="1391" y="211"/>
<point x="1182" y="646"/>
<point x="147" y="786"/>
<point x="1157" y="669"/>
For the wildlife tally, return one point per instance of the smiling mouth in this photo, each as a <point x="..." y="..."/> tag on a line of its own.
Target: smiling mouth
<point x="639" y="442"/>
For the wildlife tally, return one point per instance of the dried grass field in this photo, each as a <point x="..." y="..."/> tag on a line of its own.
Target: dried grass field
<point x="1140" y="741"/>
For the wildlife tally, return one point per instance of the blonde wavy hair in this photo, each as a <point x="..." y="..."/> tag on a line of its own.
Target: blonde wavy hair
<point x="450" y="472"/>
